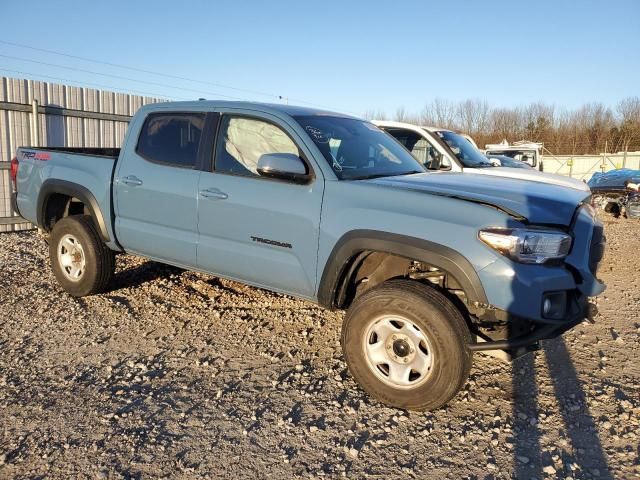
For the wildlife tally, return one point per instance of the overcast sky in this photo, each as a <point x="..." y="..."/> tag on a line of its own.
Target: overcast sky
<point x="350" y="56"/>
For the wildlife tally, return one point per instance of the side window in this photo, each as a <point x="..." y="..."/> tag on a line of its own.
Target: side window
<point x="242" y="141"/>
<point x="171" y="138"/>
<point x="421" y="149"/>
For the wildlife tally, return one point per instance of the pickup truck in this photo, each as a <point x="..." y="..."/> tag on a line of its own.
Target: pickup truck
<point x="429" y="267"/>
<point x="443" y="149"/>
<point x="529" y="152"/>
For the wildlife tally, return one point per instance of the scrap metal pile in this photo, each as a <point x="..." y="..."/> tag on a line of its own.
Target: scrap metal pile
<point x="617" y="192"/>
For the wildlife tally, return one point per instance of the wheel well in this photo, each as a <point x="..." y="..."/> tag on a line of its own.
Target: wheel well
<point x="58" y="206"/>
<point x="366" y="269"/>
<point x="58" y="199"/>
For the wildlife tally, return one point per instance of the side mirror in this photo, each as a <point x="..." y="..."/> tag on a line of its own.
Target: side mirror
<point x="444" y="163"/>
<point x="433" y="160"/>
<point x="438" y="162"/>
<point x="283" y="166"/>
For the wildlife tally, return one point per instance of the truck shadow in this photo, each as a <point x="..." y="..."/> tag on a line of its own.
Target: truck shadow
<point x="143" y="273"/>
<point x="579" y="446"/>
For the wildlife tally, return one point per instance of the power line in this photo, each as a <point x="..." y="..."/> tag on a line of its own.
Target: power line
<point x="118" y="77"/>
<point x="167" y="75"/>
<point x="141" y="70"/>
<point x="111" y="87"/>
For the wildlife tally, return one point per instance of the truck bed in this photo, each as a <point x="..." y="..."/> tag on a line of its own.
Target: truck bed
<point x="84" y="173"/>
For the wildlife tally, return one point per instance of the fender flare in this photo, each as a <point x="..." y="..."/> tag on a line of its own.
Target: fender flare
<point x="435" y="254"/>
<point x="53" y="186"/>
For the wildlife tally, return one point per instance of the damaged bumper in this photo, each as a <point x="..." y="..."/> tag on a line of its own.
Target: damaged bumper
<point x="536" y="330"/>
<point x="541" y="301"/>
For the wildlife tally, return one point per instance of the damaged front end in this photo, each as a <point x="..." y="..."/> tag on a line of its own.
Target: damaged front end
<point x="544" y="301"/>
<point x="617" y="192"/>
<point x="507" y="336"/>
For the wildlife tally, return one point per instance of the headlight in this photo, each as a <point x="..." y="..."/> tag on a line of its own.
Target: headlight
<point x="527" y="246"/>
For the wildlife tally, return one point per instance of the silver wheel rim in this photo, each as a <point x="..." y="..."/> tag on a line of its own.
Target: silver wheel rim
<point x="397" y="351"/>
<point x="71" y="257"/>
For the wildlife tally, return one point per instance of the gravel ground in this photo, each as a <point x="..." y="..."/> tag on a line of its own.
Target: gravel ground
<point x="178" y="374"/>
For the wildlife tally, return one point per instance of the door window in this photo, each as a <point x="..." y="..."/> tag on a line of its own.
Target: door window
<point x="171" y="138"/>
<point x="421" y="149"/>
<point x="242" y="141"/>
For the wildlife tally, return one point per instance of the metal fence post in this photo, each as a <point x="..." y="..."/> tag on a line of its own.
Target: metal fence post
<point x="570" y="162"/>
<point x="35" y="125"/>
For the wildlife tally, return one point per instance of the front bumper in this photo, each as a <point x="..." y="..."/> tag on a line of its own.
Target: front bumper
<point x="513" y="320"/>
<point x="531" y="331"/>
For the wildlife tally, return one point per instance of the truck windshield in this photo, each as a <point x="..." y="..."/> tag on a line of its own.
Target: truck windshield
<point x="357" y="150"/>
<point x="464" y="151"/>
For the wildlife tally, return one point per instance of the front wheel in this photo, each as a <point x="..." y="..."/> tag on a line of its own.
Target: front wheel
<point x="406" y="344"/>
<point x="81" y="262"/>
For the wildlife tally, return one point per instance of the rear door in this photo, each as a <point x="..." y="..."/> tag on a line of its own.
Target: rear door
<point x="261" y="231"/>
<point x="155" y="188"/>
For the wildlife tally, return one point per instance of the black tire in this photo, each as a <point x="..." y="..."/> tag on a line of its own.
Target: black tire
<point x="99" y="260"/>
<point x="434" y="315"/>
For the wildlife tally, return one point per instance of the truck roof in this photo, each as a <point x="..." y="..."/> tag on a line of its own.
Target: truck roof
<point x="291" y="110"/>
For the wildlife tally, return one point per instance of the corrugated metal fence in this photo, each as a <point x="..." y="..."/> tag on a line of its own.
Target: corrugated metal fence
<point x="66" y="117"/>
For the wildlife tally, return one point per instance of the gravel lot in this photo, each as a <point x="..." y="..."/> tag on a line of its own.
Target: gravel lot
<point x="178" y="374"/>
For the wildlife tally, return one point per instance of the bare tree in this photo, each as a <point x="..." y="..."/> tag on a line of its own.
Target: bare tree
<point x="504" y="123"/>
<point x="401" y="115"/>
<point x="473" y="116"/>
<point x="439" y="112"/>
<point x="629" y="129"/>
<point x="587" y="129"/>
<point x="373" y="114"/>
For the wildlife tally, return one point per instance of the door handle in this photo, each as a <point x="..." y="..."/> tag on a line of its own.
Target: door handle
<point x="214" y="194"/>
<point x="131" y="180"/>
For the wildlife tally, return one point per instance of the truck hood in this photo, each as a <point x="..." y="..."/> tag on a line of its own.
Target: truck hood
<point x="535" y="202"/>
<point x="531" y="175"/>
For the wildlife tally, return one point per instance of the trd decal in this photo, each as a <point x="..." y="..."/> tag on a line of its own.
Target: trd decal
<point x="43" y="156"/>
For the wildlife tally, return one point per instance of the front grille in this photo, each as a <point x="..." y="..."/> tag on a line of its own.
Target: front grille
<point x="596" y="250"/>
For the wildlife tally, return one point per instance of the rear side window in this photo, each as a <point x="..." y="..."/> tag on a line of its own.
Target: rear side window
<point x="171" y="138"/>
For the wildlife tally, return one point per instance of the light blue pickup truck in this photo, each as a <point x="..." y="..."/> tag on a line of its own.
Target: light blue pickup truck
<point x="430" y="267"/>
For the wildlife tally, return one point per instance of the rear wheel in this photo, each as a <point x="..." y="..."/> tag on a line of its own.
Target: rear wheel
<point x="81" y="262"/>
<point x="406" y="344"/>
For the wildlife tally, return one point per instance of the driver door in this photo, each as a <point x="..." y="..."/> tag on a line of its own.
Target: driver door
<point x="255" y="229"/>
